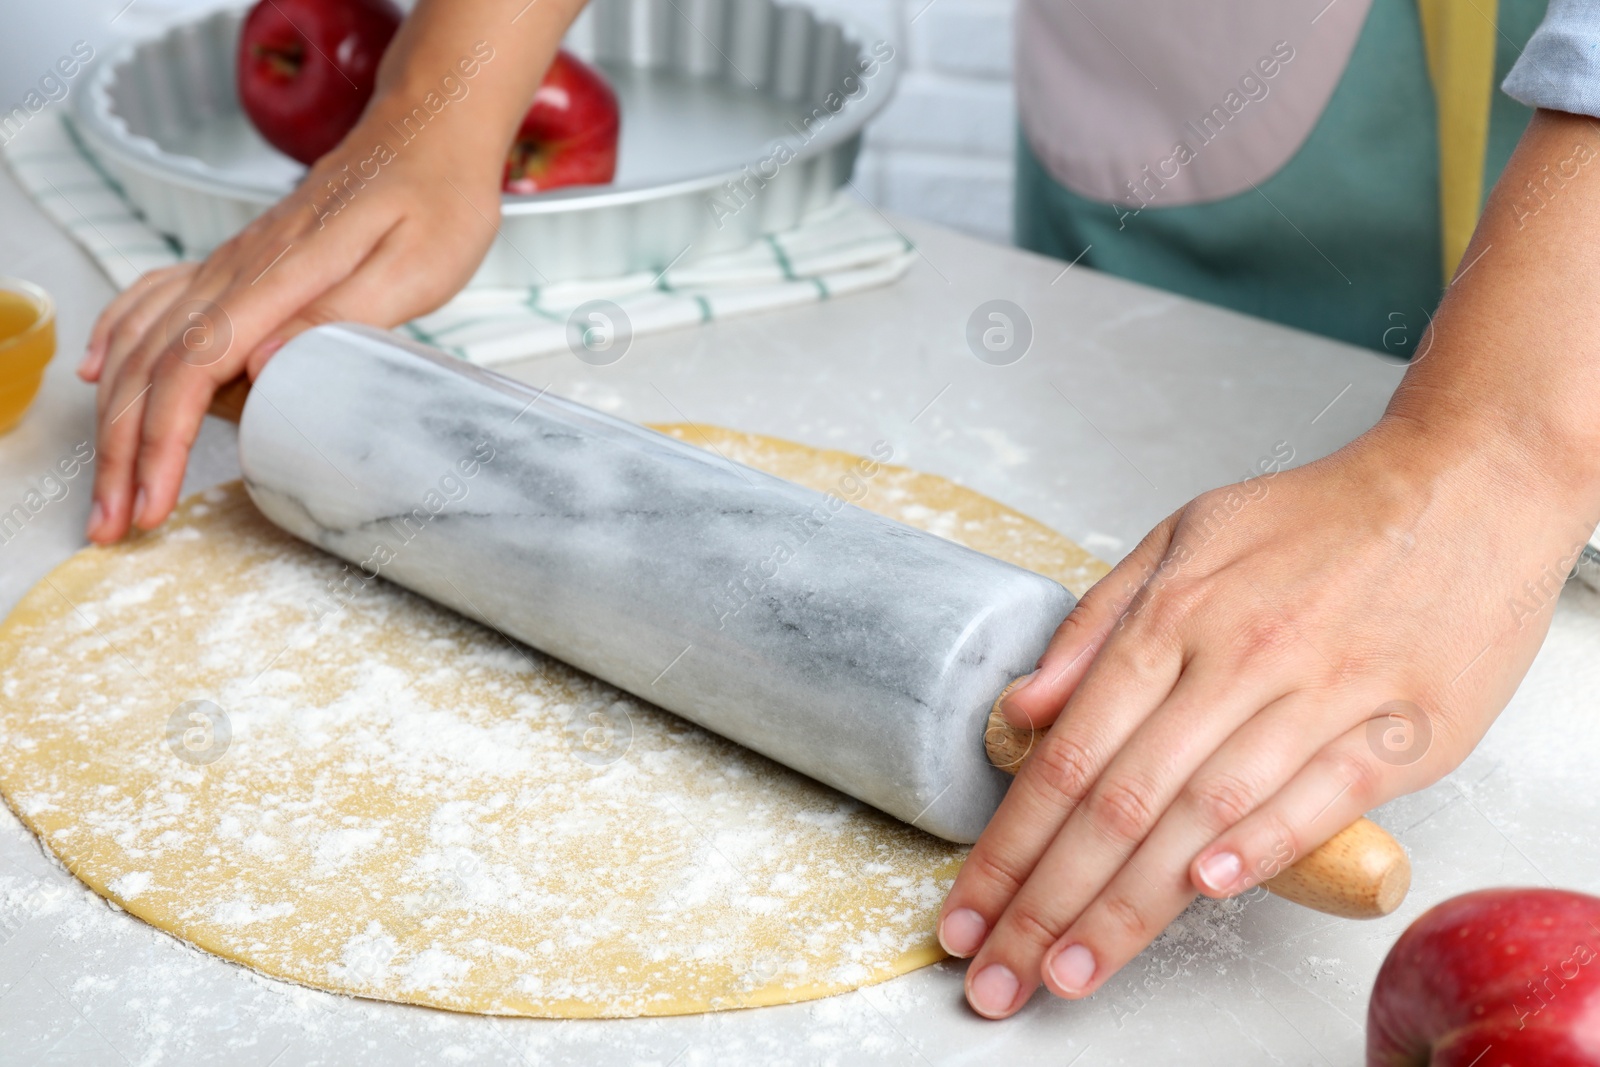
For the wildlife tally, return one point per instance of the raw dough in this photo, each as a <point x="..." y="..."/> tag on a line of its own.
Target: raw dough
<point x="393" y="802"/>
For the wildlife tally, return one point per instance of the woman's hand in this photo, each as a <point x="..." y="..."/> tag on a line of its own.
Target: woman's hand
<point x="387" y="226"/>
<point x="376" y="233"/>
<point x="1279" y="657"/>
<point x="1272" y="661"/>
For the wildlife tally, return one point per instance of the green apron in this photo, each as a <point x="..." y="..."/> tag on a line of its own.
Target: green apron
<point x="1345" y="240"/>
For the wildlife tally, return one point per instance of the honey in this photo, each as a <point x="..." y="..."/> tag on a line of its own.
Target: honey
<point x="27" y="341"/>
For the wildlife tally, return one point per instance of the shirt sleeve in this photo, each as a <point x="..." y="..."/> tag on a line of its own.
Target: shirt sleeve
<point x="1560" y="68"/>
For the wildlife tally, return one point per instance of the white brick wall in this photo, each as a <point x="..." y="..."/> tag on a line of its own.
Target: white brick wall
<point x="943" y="150"/>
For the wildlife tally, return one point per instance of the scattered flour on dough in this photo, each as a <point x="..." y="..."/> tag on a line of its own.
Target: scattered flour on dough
<point x="130" y="885"/>
<point x="244" y="912"/>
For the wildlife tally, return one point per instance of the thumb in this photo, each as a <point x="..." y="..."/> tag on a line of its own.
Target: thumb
<point x="1036" y="699"/>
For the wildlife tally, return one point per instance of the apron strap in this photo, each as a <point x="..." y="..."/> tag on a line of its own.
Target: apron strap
<point x="1459" y="36"/>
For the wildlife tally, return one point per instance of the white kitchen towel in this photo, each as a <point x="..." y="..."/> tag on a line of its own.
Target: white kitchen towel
<point x="842" y="248"/>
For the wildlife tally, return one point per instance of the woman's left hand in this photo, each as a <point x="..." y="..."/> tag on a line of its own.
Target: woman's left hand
<point x="1271" y="662"/>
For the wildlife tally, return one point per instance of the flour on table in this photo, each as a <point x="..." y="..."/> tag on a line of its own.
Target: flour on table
<point x="388" y="800"/>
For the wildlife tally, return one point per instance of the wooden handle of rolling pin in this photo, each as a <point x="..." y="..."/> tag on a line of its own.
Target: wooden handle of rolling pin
<point x="228" y="401"/>
<point x="1358" y="873"/>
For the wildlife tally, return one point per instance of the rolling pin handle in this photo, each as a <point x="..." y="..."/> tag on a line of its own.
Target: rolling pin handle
<point x="1359" y="873"/>
<point x="228" y="401"/>
<point x="1007" y="745"/>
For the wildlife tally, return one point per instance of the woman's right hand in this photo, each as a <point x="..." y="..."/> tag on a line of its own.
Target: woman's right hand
<point x="342" y="247"/>
<point x="381" y="230"/>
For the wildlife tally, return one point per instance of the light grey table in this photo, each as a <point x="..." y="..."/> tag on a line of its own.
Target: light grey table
<point x="1129" y="402"/>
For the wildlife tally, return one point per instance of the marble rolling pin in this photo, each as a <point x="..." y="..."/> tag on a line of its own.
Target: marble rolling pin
<point x="839" y="643"/>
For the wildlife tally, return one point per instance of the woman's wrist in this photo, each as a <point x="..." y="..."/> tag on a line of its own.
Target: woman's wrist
<point x="436" y="129"/>
<point x="480" y="61"/>
<point x="1467" y="470"/>
<point x="1535" y="445"/>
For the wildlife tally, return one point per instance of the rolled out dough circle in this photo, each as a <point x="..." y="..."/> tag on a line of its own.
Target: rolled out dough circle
<point x="394" y="802"/>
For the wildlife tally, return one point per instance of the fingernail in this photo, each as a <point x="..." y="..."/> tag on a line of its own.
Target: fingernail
<point x="1072" y="969"/>
<point x="962" y="932"/>
<point x="267" y="349"/>
<point x="1220" y="870"/>
<point x="1007" y="706"/>
<point x="138" y="505"/>
<point x="993" y="989"/>
<point x="97" y="515"/>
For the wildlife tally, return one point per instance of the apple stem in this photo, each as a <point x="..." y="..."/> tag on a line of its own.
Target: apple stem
<point x="527" y="160"/>
<point x="285" y="61"/>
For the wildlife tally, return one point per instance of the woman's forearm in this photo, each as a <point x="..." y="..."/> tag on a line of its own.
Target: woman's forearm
<point x="1512" y="364"/>
<point x="484" y="57"/>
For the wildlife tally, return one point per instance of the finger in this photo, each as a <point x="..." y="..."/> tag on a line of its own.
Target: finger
<point x="148" y="326"/>
<point x="1103" y="835"/>
<point x="260" y="277"/>
<point x="1338" y="785"/>
<point x="373" y="294"/>
<point x="184" y="387"/>
<point x="1155" y="885"/>
<point x="192" y="371"/>
<point x="1260" y="759"/>
<point x="1037" y="699"/>
<point x="237" y="320"/>
<point x="1126" y="683"/>
<point x="172" y="413"/>
<point x="116" y="330"/>
<point x="1121" y="922"/>
<point x="285" y="280"/>
<point x="116" y="443"/>
<point x="125" y="387"/>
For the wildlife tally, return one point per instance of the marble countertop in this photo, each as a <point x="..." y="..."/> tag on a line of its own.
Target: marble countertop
<point x="1129" y="402"/>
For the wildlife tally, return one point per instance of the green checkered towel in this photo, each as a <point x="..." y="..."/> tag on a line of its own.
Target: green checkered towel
<point x="842" y="248"/>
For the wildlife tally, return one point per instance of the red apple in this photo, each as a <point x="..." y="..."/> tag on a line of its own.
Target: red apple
<point x="1497" y="978"/>
<point x="569" y="135"/>
<point x="306" y="68"/>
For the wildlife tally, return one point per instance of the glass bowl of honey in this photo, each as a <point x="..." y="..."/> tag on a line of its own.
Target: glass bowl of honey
<point x="27" y="341"/>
